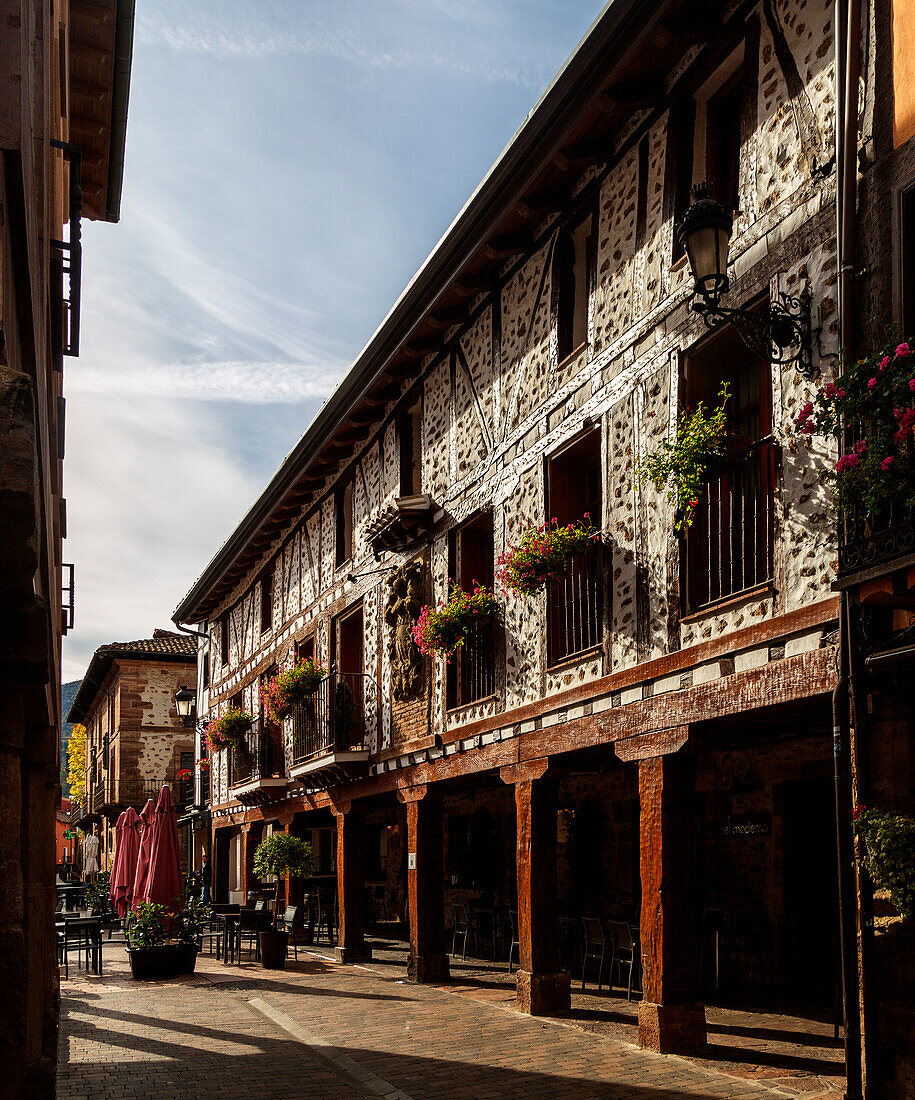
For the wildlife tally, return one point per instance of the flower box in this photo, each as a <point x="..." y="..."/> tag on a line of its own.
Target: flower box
<point x="285" y="691"/>
<point x="169" y="960"/>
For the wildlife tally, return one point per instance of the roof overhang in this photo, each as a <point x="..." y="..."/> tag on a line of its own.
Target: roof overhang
<point x="100" y="666"/>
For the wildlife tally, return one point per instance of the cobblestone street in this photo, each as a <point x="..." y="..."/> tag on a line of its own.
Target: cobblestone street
<point x="319" y="1029"/>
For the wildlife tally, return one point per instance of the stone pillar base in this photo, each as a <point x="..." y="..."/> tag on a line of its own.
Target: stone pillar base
<point x="544" y="994"/>
<point x="671" y="1029"/>
<point x="353" y="954"/>
<point x="427" y="968"/>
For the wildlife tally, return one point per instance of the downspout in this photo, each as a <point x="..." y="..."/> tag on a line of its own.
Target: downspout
<point x="848" y="37"/>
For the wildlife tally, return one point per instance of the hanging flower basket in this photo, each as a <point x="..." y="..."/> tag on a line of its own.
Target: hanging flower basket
<point x="184" y="775"/>
<point x="443" y="630"/>
<point x="203" y="764"/>
<point x="873" y="400"/>
<point x="542" y="555"/>
<point x="228" y="730"/>
<point x="283" y="693"/>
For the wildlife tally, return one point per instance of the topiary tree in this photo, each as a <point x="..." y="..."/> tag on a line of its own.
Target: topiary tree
<point x="282" y="854"/>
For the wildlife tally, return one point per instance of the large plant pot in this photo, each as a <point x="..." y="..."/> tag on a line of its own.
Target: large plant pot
<point x="168" y="961"/>
<point x="273" y="949"/>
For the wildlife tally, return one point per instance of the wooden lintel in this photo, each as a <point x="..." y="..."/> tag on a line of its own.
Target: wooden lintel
<point x="412" y="794"/>
<point x="646" y="745"/>
<point x="525" y="772"/>
<point x="339" y="803"/>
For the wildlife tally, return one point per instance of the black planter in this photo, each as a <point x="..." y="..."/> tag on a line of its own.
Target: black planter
<point x="171" y="960"/>
<point x="273" y="949"/>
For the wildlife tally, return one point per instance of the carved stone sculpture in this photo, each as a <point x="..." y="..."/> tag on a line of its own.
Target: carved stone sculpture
<point x="404" y="603"/>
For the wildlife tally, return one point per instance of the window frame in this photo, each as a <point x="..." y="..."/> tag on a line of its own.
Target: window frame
<point x="344" y="523"/>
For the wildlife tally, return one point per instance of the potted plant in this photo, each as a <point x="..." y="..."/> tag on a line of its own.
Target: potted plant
<point x="684" y="464"/>
<point x="542" y="554"/>
<point x="889" y="855"/>
<point x="163" y="942"/>
<point x="285" y="691"/>
<point x="229" y="729"/>
<point x="443" y="630"/>
<point x="279" y="855"/>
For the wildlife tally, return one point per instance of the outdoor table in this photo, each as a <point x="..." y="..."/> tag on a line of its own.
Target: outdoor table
<point x="228" y="934"/>
<point x="93" y="928"/>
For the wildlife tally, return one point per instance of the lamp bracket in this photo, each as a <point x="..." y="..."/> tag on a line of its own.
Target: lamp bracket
<point x="780" y="333"/>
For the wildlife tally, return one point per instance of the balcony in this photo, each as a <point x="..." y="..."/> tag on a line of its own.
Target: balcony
<point x="728" y="546"/>
<point x="873" y="545"/>
<point x="574" y="607"/>
<point x="329" y="743"/>
<point x="257" y="768"/>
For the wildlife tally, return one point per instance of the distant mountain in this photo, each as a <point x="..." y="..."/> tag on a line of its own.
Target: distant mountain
<point x="67" y="695"/>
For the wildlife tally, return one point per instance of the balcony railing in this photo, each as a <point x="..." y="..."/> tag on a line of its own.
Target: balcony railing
<point x="574" y="606"/>
<point x="868" y="541"/>
<point x="126" y="791"/>
<point x="258" y="756"/>
<point x="331" y="719"/>
<point x="728" y="546"/>
<point x="67" y="259"/>
<point x="472" y="670"/>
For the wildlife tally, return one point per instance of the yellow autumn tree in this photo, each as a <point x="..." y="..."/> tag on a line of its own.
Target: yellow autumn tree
<point x="76" y="761"/>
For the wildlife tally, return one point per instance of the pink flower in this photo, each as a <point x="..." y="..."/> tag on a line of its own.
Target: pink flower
<point x="872" y="383"/>
<point x="912" y="384"/>
<point x="887" y="462"/>
<point x="884" y="362"/>
<point x="902" y="351"/>
<point x="861" y="447"/>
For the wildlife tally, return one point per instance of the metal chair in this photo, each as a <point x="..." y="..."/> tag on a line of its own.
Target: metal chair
<point x="463" y="926"/>
<point x="595" y="948"/>
<point x="624" y="952"/>
<point x="287" y="923"/>
<point x="327" y="917"/>
<point x="515" y="942"/>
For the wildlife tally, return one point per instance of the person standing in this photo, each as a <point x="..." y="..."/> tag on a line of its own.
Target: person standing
<point x="206" y="877"/>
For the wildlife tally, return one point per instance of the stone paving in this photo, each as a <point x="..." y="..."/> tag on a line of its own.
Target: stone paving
<point x="319" y="1029"/>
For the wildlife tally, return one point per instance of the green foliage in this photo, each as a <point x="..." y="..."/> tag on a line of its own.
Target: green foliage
<point x="542" y="554"/>
<point x="97" y="898"/>
<point x="147" y="925"/>
<point x="889" y="841"/>
<point x="283" y="692"/>
<point x="228" y="729"/>
<point x="444" y="629"/>
<point x="682" y="465"/>
<point x="282" y="854"/>
<point x="872" y="401"/>
<point x="76" y="762"/>
<point x="192" y="918"/>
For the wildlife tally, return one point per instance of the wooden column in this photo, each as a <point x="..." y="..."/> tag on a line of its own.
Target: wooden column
<point x="543" y="988"/>
<point x="248" y="844"/>
<point x="671" y="1015"/>
<point x="428" y="961"/>
<point x="351" y="946"/>
<point x="286" y="886"/>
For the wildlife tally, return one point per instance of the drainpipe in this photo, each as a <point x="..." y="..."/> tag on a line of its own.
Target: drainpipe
<point x="848" y="39"/>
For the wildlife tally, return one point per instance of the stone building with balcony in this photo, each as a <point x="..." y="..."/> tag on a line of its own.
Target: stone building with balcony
<point x="135" y="741"/>
<point x="650" y="739"/>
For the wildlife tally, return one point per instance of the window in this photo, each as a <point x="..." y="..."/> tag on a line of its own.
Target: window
<point x="728" y="545"/>
<point x="574" y="603"/>
<point x="224" y="638"/>
<point x="722" y="141"/>
<point x="572" y="271"/>
<point x="410" y="439"/>
<point x="471" y="672"/>
<point x="267" y="600"/>
<point x="343" y="507"/>
<point x="907" y="262"/>
<point x="305" y="649"/>
<point x="347" y="682"/>
<point x="206" y="669"/>
<point x="237" y="702"/>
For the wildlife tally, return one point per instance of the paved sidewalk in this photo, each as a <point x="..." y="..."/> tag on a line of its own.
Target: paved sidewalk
<point x="319" y="1029"/>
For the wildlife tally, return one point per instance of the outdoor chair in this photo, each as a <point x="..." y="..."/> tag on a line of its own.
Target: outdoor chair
<point x="327" y="916"/>
<point x="61" y="901"/>
<point x="624" y="953"/>
<point x="287" y="924"/>
<point x="463" y="926"/>
<point x="595" y="944"/>
<point x="78" y="940"/>
<point x="251" y="923"/>
<point x="515" y="942"/>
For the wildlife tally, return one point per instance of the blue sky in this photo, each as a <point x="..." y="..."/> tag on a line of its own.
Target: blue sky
<point x="289" y="167"/>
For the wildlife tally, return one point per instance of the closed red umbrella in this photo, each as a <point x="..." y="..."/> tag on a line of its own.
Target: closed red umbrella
<point x="162" y="882"/>
<point x="126" y="850"/>
<point x="147" y="818"/>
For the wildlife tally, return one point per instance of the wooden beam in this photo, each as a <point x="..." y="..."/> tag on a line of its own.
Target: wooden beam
<point x="507" y="244"/>
<point x="538" y="204"/>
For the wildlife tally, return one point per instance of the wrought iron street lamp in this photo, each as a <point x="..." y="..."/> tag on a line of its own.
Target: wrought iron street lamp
<point x="185" y="700"/>
<point x="780" y="333"/>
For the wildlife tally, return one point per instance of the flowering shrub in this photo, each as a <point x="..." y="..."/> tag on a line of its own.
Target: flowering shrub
<point x="444" y="629"/>
<point x="229" y="729"/>
<point x="875" y="398"/>
<point x="203" y="764"/>
<point x="542" y="554"/>
<point x="288" y="688"/>
<point x="889" y="841"/>
<point x="184" y="775"/>
<point x="682" y="465"/>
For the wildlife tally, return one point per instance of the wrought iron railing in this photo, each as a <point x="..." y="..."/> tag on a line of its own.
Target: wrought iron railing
<point x="866" y="541"/>
<point x="574" y="606"/>
<point x="728" y="545"/>
<point x="472" y="670"/>
<point x="77" y="809"/>
<point x="259" y="754"/>
<point x="68" y="261"/>
<point x="332" y="718"/>
<point x="127" y="791"/>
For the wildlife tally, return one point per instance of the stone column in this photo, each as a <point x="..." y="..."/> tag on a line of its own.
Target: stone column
<point x="671" y="1015"/>
<point x="428" y="961"/>
<point x="543" y="988"/>
<point x="351" y="946"/>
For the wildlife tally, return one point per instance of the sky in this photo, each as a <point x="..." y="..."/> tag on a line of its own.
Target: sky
<point x="289" y="166"/>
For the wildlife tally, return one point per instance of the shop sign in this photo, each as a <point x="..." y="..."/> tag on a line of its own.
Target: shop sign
<point x="747" y="825"/>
